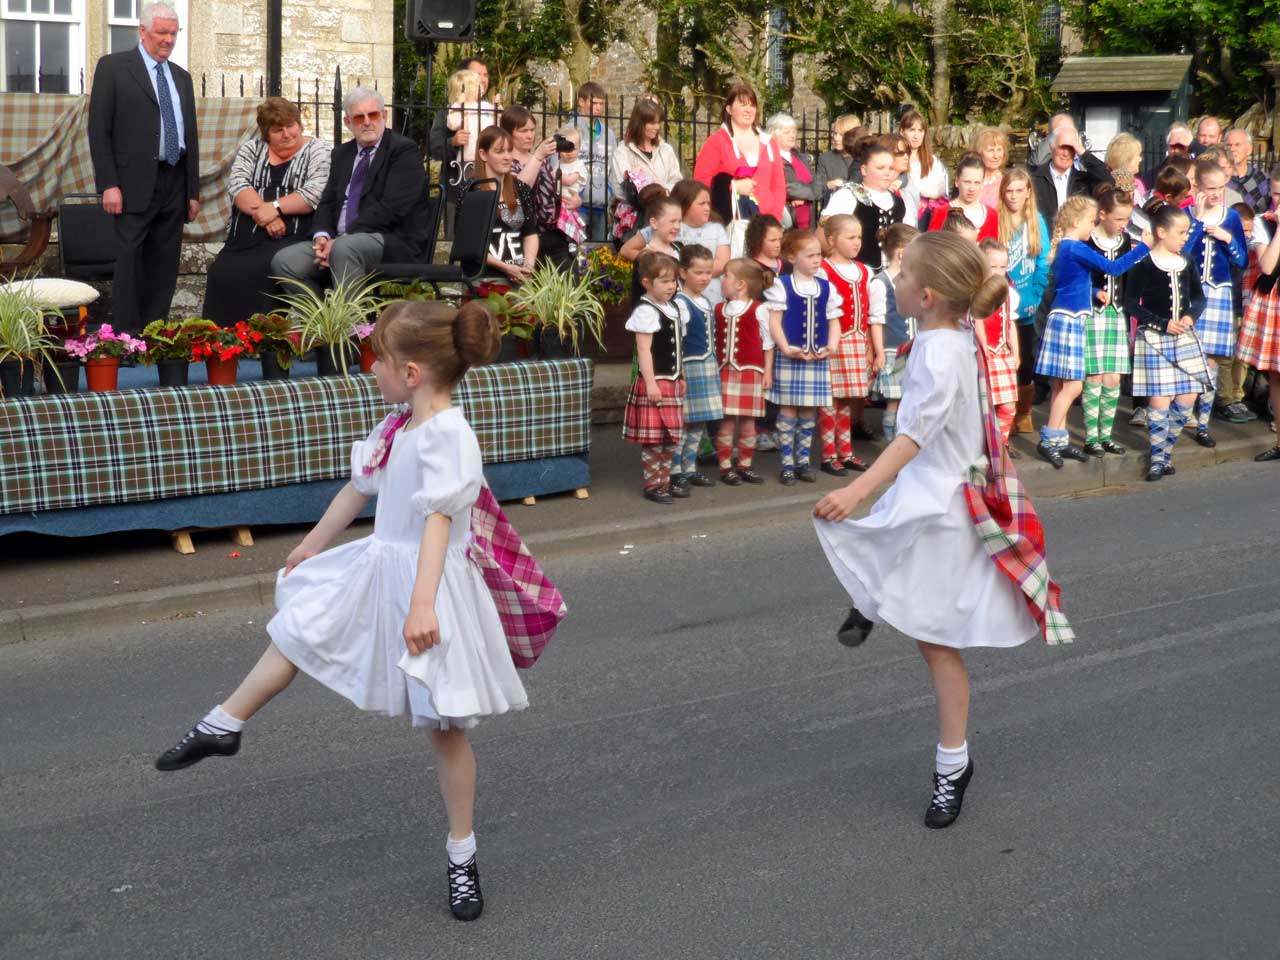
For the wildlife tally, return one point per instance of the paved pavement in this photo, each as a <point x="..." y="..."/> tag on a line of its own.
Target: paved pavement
<point x="704" y="772"/>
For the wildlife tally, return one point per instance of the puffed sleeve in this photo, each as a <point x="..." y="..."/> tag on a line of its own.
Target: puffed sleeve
<point x="369" y="452"/>
<point x="775" y="297"/>
<point x="930" y="391"/>
<point x="452" y="469"/>
<point x="842" y="201"/>
<point x="877" y="300"/>
<point x="644" y="319"/>
<point x="835" y="302"/>
<point x="762" y="320"/>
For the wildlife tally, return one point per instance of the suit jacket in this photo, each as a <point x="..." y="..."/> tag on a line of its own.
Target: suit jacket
<point x="1079" y="181"/>
<point x="124" y="128"/>
<point x="392" y="203"/>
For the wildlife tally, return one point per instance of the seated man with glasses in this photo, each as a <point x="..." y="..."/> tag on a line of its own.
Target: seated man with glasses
<point x="374" y="207"/>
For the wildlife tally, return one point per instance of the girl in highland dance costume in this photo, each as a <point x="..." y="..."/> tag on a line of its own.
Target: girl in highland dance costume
<point x="920" y="562"/>
<point x="860" y="354"/>
<point x="745" y="349"/>
<point x="1062" y="349"/>
<point x="1260" y="335"/>
<point x="701" y="372"/>
<point x="999" y="336"/>
<point x="401" y="621"/>
<point x="1106" y="341"/>
<point x="898" y="327"/>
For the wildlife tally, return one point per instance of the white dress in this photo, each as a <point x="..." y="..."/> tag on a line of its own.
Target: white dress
<point x="915" y="562"/>
<point x="341" y="613"/>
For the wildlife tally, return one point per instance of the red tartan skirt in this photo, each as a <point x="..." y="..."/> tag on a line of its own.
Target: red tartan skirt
<point x="743" y="392"/>
<point x="1259" y="344"/>
<point x="851" y="367"/>
<point x="646" y="422"/>
<point x="1002" y="375"/>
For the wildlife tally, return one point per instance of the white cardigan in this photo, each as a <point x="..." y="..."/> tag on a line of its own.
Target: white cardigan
<point x="664" y="168"/>
<point x="936" y="185"/>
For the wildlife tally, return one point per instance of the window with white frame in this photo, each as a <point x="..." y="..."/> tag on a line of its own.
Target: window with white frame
<point x="43" y="51"/>
<point x="122" y="26"/>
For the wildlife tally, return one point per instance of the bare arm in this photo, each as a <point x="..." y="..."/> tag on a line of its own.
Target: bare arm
<point x="344" y="508"/>
<point x="635" y="246"/>
<point x="421" y="629"/>
<point x="838" y="505"/>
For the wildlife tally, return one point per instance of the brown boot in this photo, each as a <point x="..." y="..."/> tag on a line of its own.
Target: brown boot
<point x="1022" y="415"/>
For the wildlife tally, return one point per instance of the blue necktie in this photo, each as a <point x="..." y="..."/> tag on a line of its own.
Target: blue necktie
<point x="168" y="122"/>
<point x="356" y="187"/>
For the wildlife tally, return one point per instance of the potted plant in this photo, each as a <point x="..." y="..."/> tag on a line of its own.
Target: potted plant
<point x="516" y="327"/>
<point x="25" y="340"/>
<point x="613" y="286"/>
<point x="221" y="349"/>
<point x="170" y="346"/>
<point x="101" y="352"/>
<point x="563" y="306"/>
<point x="364" y="338"/>
<point x="277" y="346"/>
<point x="327" y="323"/>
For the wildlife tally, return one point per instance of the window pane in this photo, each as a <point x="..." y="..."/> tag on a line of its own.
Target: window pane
<point x="17" y="6"/>
<point x="55" y="58"/>
<point x="20" y="56"/>
<point x="123" y="38"/>
<point x="39" y="6"/>
<point x="123" y="9"/>
<point x="62" y="7"/>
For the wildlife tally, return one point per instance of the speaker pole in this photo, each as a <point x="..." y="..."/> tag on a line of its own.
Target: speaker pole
<point x="429" y="53"/>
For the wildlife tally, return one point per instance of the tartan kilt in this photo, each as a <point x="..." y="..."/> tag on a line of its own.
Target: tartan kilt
<point x="647" y="423"/>
<point x="1216" y="327"/>
<point x="851" y="367"/>
<point x="800" y="383"/>
<point x="1165" y="365"/>
<point x="702" y="390"/>
<point x="742" y="392"/>
<point x="1106" y="343"/>
<point x="1062" y="346"/>
<point x="1259" y="344"/>
<point x="888" y="382"/>
<point x="1002" y="376"/>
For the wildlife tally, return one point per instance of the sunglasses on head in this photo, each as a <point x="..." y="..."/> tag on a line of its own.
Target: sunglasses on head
<point x="373" y="116"/>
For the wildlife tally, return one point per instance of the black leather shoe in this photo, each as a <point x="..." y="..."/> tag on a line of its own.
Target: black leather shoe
<point x="1112" y="447"/>
<point x="948" y="795"/>
<point x="1094" y="450"/>
<point x="658" y="495"/>
<point x="680" y="479"/>
<point x="1050" y="454"/>
<point x="807" y="475"/>
<point x="855" y="629"/>
<point x="787" y="477"/>
<point x="1268" y="456"/>
<point x="680" y="491"/>
<point x="1203" y="438"/>
<point x="699" y="479"/>
<point x="856" y="464"/>
<point x="730" y="478"/>
<point x="1072" y="452"/>
<point x="195" y="746"/>
<point x="1156" y="471"/>
<point x="750" y="476"/>
<point x="834" y="468"/>
<point x="465" y="900"/>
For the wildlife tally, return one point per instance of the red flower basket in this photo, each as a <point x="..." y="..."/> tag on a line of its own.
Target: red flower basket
<point x="102" y="374"/>
<point x="222" y="373"/>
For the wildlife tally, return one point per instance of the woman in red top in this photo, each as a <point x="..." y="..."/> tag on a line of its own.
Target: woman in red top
<point x="969" y="176"/>
<point x="738" y="159"/>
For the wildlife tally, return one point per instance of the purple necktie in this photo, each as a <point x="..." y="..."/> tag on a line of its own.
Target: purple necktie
<point x="351" y="209"/>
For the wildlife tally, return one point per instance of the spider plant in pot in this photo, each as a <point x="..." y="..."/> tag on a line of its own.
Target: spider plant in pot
<point x="327" y="322"/>
<point x="563" y="306"/>
<point x="25" y="340"/>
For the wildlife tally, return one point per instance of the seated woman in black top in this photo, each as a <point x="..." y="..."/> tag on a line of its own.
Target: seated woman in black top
<point x="276" y="181"/>
<point x="515" y="230"/>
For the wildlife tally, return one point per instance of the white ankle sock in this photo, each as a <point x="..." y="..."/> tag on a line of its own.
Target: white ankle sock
<point x="948" y="761"/>
<point x="217" y="721"/>
<point x="460" y="851"/>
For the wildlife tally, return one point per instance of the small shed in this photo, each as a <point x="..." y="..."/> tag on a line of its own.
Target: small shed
<point x="1138" y="95"/>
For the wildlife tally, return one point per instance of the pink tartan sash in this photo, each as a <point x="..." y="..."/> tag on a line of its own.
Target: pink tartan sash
<point x="529" y="605"/>
<point x="1006" y="521"/>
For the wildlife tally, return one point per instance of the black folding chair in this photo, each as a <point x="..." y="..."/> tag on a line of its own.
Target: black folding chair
<point x="86" y="238"/>
<point x="470" y="250"/>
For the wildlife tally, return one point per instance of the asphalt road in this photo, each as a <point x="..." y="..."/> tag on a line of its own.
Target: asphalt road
<point x="704" y="772"/>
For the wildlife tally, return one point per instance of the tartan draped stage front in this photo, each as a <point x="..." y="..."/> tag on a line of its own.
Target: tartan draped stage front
<point x="86" y="449"/>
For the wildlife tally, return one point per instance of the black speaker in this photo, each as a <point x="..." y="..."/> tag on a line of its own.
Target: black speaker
<point x="447" y="21"/>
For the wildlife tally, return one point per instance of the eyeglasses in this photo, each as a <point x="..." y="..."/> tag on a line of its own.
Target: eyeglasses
<point x="1179" y="147"/>
<point x="902" y="153"/>
<point x="373" y="116"/>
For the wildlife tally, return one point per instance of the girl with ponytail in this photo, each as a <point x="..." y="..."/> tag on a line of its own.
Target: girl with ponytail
<point x="922" y="531"/>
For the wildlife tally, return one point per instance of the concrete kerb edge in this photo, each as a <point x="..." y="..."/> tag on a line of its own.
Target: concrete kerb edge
<point x="55" y="620"/>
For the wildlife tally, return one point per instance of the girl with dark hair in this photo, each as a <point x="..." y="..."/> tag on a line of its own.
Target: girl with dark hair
<point x="741" y="164"/>
<point x="515" y="229"/>
<point x="969" y="182"/>
<point x="643" y="158"/>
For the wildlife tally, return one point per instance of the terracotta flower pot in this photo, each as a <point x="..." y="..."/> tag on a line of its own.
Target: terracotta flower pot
<point x="367" y="356"/>
<point x="222" y="373"/>
<point x="102" y="375"/>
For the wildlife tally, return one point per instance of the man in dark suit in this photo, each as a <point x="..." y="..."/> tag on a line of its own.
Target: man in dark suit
<point x="146" y="162"/>
<point x="373" y="209"/>
<point x="1070" y="170"/>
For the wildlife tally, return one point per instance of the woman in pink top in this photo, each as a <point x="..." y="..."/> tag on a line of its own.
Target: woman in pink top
<point x="738" y="159"/>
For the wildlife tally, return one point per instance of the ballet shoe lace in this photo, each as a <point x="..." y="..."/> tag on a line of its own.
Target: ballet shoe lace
<point x="464" y="881"/>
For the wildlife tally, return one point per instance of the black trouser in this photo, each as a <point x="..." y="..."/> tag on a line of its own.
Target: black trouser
<point x="150" y="243"/>
<point x="1028" y="347"/>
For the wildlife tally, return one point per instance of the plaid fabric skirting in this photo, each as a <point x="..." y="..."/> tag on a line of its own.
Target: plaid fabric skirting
<point x="1217" y="325"/>
<point x="888" y="382"/>
<point x="1259" y="345"/>
<point x="1106" y="342"/>
<point x="702" y="390"/>
<point x="1002" y="376"/>
<point x="1062" y="346"/>
<point x="851" y="367"/>
<point x="742" y="392"/>
<point x="800" y="383"/>
<point x="1165" y="365"/>
<point x="647" y="422"/>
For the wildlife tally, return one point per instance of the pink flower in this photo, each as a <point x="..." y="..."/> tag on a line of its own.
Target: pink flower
<point x="364" y="331"/>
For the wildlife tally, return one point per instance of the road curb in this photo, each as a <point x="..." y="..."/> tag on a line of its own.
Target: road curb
<point x="91" y="616"/>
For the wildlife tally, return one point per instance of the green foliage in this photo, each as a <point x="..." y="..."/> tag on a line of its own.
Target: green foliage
<point x="173" y="339"/>
<point x="562" y="301"/>
<point x="24" y="335"/>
